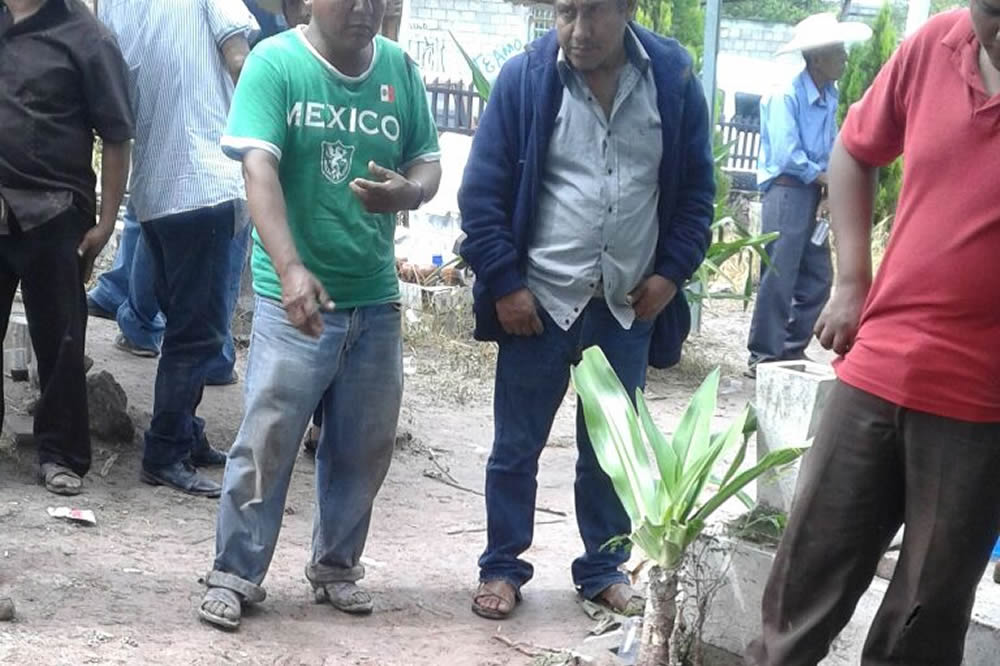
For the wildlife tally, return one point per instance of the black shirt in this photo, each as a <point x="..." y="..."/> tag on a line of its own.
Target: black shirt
<point x="62" y="78"/>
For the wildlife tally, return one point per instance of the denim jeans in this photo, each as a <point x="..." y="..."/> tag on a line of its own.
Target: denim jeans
<point x="128" y="289"/>
<point x="795" y="289"/>
<point x="531" y="380"/>
<point x="356" y="367"/>
<point x="190" y="257"/>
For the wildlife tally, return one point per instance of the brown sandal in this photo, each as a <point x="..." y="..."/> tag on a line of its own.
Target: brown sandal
<point x="507" y="595"/>
<point x="620" y="598"/>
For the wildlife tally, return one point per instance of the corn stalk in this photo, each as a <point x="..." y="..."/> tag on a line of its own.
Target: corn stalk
<point x="669" y="496"/>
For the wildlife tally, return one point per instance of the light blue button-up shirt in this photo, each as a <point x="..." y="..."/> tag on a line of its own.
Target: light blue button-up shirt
<point x="597" y="223"/>
<point x="797" y="129"/>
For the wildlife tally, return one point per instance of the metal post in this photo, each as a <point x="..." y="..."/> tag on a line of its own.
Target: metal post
<point x="713" y="22"/>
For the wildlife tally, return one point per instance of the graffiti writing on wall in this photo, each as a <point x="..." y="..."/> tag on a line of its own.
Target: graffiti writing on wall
<point x="492" y="61"/>
<point x="428" y="50"/>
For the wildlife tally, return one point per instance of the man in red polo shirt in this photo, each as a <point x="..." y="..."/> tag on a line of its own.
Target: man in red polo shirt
<point x="912" y="430"/>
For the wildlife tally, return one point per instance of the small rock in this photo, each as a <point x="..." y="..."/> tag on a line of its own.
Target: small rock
<point x="6" y="610"/>
<point x="109" y="419"/>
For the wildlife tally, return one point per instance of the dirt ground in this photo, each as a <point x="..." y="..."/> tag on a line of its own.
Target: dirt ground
<point x="125" y="591"/>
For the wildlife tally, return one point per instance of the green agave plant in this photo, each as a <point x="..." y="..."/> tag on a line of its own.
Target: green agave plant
<point x="670" y="497"/>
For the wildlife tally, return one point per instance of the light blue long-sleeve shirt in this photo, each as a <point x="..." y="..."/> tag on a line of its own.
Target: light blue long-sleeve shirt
<point x="797" y="129"/>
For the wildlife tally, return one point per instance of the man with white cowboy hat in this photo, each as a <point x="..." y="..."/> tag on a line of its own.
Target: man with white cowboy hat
<point x="798" y="127"/>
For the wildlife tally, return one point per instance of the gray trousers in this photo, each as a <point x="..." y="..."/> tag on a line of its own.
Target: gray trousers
<point x="795" y="289"/>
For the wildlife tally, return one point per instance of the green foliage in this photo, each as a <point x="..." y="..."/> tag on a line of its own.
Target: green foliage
<point x="863" y="65"/>
<point x="779" y="11"/>
<point x="684" y="20"/>
<point x="482" y="84"/>
<point x="669" y="496"/>
<point x="938" y="6"/>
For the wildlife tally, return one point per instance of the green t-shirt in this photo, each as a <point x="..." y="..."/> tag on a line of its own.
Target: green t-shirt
<point x="324" y="127"/>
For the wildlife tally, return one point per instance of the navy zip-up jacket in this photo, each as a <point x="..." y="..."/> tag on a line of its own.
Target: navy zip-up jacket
<point x="499" y="194"/>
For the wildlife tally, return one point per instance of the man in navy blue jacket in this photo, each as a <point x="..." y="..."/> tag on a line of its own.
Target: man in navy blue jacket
<point x="586" y="203"/>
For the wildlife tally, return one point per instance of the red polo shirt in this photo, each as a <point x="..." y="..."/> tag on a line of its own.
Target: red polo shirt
<point x="930" y="331"/>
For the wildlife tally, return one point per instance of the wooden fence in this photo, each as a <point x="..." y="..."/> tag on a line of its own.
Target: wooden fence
<point x="743" y="138"/>
<point x="455" y="105"/>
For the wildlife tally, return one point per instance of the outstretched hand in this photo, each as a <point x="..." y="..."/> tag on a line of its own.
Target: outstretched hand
<point x="387" y="191"/>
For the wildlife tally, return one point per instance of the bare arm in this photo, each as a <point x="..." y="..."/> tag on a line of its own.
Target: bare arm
<point x="852" y="195"/>
<point x="301" y="293"/>
<point x="235" y="51"/>
<point x="114" y="175"/>
<point x="115" y="158"/>
<point x="428" y="176"/>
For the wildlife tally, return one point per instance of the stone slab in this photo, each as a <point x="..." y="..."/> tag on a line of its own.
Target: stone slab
<point x="789" y="401"/>
<point x="734" y="618"/>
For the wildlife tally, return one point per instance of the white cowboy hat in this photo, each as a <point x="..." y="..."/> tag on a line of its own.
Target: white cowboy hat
<point x="821" y="30"/>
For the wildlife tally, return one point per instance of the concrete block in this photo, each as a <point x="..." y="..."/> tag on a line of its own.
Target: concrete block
<point x="18" y="357"/>
<point x="790" y="399"/>
<point x="734" y="616"/>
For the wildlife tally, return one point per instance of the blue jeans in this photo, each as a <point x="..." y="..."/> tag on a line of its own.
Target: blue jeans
<point x="356" y="368"/>
<point x="795" y="289"/>
<point x="189" y="256"/>
<point x="128" y="290"/>
<point x="532" y="377"/>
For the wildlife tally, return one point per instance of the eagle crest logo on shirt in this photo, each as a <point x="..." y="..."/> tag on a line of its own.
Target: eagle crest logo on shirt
<point x="336" y="162"/>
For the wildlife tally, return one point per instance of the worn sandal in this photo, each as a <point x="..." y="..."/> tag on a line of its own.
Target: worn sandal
<point x="345" y="596"/>
<point x="231" y="592"/>
<point x="61" y="480"/>
<point x="229" y="618"/>
<point x="504" y="592"/>
<point x="620" y="598"/>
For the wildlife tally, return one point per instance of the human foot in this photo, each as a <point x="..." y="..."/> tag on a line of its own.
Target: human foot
<point x="495" y="599"/>
<point x="221" y="607"/>
<point x="622" y="599"/>
<point x="345" y="596"/>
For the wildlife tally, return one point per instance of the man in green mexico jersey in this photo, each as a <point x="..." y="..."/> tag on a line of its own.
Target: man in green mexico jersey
<point x="335" y="134"/>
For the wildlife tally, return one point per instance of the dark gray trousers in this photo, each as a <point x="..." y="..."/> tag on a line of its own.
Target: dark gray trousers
<point x="874" y="465"/>
<point x="795" y="289"/>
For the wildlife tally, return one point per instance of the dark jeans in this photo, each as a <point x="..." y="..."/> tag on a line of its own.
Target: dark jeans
<point x="45" y="263"/>
<point x="532" y="377"/>
<point x="874" y="465"/>
<point x="128" y="289"/>
<point x="190" y="255"/>
<point x="793" y="292"/>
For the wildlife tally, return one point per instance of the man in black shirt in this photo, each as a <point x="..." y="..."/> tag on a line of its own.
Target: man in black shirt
<point x="62" y="78"/>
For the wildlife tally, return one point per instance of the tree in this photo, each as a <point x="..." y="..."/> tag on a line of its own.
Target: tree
<point x="863" y="65"/>
<point x="684" y="20"/>
<point x="778" y="11"/>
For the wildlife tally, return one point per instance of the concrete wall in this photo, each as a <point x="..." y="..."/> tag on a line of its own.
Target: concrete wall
<point x="753" y="39"/>
<point x="491" y="31"/>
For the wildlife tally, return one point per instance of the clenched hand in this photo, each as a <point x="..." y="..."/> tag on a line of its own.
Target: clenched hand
<point x="304" y="299"/>
<point x="518" y="313"/>
<point x="93" y="242"/>
<point x="838" y="324"/>
<point x="651" y="296"/>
